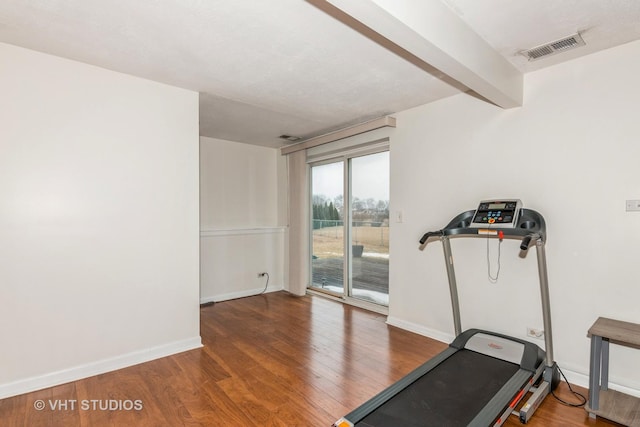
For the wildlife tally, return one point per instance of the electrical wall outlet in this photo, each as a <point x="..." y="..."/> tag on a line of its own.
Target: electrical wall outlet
<point x="535" y="333"/>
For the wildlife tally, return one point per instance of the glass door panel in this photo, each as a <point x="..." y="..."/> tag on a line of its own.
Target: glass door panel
<point x="369" y="203"/>
<point x="327" y="243"/>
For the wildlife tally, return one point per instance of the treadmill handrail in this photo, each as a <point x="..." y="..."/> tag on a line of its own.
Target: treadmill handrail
<point x="530" y="224"/>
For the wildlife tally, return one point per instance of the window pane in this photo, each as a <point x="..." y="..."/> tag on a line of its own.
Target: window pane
<point x="370" y="228"/>
<point x="327" y="263"/>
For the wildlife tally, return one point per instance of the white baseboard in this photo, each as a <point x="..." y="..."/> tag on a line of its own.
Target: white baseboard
<point x="420" y="330"/>
<point x="239" y="294"/>
<point x="95" y="368"/>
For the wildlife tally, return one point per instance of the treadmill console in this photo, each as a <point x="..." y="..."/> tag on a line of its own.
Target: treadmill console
<point x="497" y="213"/>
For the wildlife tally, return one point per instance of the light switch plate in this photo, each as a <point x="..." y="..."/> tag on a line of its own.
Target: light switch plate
<point x="633" y="205"/>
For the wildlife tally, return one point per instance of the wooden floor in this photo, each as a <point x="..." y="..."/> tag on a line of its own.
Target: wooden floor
<point x="268" y="360"/>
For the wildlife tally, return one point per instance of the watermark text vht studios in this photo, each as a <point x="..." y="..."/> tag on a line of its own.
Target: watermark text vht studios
<point x="88" y="405"/>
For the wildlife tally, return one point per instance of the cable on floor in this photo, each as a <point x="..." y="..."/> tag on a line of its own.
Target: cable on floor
<point x="575" y="393"/>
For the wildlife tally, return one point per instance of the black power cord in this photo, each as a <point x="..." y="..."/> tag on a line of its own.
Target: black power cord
<point x="575" y="393"/>
<point x="266" y="284"/>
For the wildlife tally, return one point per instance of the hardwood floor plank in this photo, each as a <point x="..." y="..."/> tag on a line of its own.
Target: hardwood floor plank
<point x="271" y="360"/>
<point x="226" y="411"/>
<point x="200" y="365"/>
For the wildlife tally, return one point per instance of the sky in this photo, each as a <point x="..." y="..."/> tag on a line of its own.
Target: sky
<point x="369" y="177"/>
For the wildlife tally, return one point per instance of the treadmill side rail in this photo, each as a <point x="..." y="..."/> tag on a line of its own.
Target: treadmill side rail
<point x="526" y="412"/>
<point x="499" y="404"/>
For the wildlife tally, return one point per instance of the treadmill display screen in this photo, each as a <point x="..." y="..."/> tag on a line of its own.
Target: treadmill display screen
<point x="497" y="205"/>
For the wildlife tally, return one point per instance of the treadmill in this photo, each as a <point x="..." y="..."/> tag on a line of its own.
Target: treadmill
<point x="482" y="376"/>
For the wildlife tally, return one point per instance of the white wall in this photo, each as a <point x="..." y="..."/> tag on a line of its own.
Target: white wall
<point x="571" y="153"/>
<point x="242" y="223"/>
<point x="98" y="220"/>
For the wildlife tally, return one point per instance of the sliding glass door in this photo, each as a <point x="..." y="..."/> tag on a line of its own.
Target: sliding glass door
<point x="350" y="226"/>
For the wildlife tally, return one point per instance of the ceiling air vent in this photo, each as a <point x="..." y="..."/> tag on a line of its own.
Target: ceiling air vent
<point x="555" y="47"/>
<point x="290" y="138"/>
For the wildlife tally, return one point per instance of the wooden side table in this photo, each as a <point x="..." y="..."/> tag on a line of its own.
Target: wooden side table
<point x="611" y="404"/>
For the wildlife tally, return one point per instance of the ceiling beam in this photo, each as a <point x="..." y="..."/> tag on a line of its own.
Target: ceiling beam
<point x="431" y="36"/>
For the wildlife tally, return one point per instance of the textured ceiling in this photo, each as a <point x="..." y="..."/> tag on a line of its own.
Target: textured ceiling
<point x="285" y="67"/>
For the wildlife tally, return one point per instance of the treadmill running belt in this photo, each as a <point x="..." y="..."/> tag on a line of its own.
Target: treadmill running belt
<point x="451" y="394"/>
